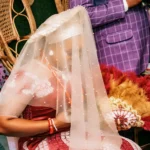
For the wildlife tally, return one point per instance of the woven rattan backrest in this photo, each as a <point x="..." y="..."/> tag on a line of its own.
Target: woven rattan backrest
<point x="6" y="56"/>
<point x="8" y="30"/>
<point x="6" y="25"/>
<point x="62" y="5"/>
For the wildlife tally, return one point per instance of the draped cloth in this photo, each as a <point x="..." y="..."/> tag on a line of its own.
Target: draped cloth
<point x="58" y="68"/>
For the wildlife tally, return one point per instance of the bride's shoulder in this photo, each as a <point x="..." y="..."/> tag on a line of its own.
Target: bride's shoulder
<point x="35" y="68"/>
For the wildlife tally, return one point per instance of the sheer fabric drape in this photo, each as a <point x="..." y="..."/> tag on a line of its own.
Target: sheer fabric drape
<point x="60" y="60"/>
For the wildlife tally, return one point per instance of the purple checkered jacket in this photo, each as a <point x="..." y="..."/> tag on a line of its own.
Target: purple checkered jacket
<point x="122" y="38"/>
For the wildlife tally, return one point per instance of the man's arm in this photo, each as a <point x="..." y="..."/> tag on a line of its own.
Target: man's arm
<point x="105" y="13"/>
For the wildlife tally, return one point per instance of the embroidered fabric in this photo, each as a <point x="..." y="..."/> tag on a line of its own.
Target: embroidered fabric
<point x="58" y="68"/>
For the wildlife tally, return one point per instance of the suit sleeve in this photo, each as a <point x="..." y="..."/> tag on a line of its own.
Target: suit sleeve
<point x="102" y="14"/>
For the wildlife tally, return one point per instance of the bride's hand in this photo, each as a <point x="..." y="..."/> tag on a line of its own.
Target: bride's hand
<point x="64" y="116"/>
<point x="62" y="120"/>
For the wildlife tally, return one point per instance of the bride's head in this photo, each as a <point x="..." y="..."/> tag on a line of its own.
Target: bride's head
<point x="63" y="45"/>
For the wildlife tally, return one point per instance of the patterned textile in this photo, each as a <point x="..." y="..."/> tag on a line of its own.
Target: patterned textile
<point x="3" y="75"/>
<point x="58" y="141"/>
<point x="124" y="114"/>
<point x="122" y="38"/>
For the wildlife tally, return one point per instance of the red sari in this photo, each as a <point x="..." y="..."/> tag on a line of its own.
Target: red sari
<point x="58" y="141"/>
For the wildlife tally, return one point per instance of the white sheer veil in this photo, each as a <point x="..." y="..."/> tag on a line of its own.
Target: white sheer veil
<point x="65" y="46"/>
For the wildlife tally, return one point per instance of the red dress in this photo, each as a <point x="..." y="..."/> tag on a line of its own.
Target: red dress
<point x="43" y="93"/>
<point x="58" y="141"/>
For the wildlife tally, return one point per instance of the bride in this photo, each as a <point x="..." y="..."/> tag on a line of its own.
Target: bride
<point x="50" y="99"/>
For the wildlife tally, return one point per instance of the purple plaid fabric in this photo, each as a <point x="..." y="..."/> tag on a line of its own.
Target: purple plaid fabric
<point x="122" y="38"/>
<point x="3" y="75"/>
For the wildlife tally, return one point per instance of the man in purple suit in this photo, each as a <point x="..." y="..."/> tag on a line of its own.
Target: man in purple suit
<point x="122" y="33"/>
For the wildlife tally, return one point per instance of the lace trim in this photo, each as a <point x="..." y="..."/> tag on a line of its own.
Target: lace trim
<point x="124" y="114"/>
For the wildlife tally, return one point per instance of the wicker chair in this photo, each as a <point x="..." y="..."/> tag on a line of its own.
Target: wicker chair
<point x="8" y="33"/>
<point x="62" y="5"/>
<point x="8" y="30"/>
<point x="146" y="147"/>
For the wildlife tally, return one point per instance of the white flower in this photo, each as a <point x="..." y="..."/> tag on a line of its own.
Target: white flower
<point x="43" y="88"/>
<point x="38" y="87"/>
<point x="27" y="92"/>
